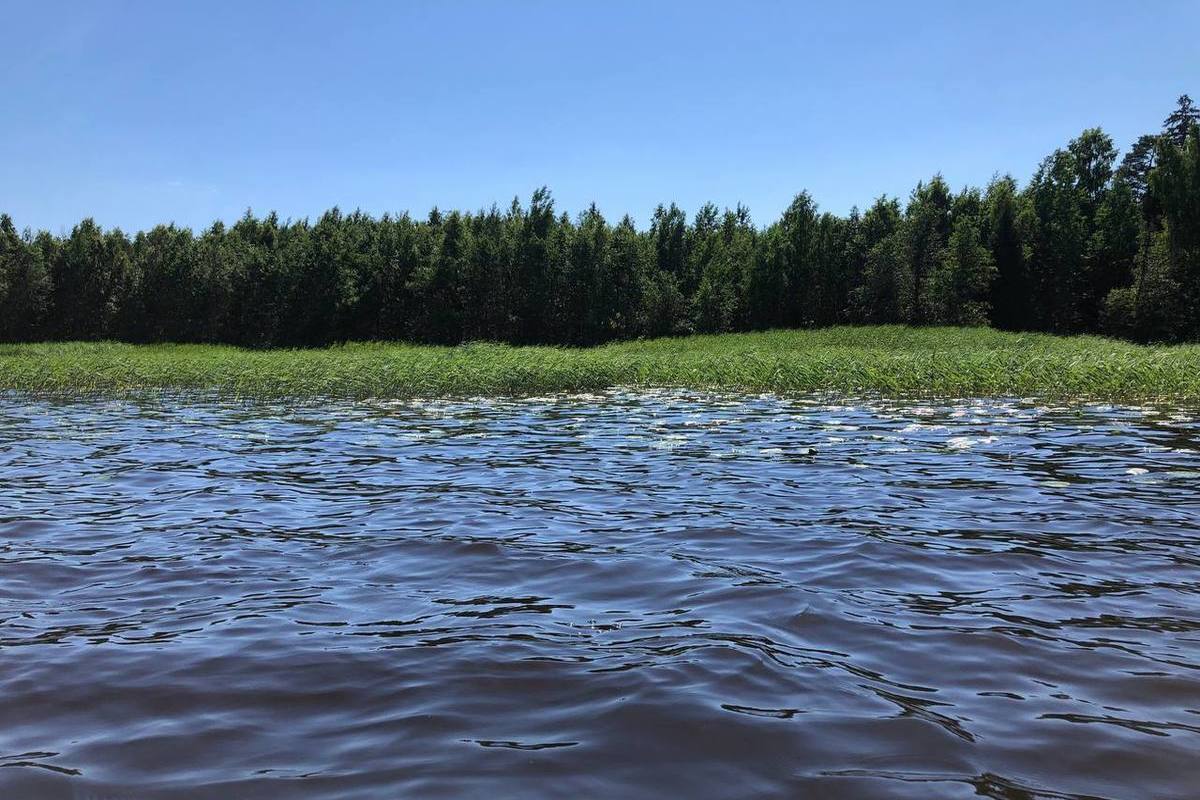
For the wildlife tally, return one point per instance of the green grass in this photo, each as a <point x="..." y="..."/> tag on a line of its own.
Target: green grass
<point x="888" y="360"/>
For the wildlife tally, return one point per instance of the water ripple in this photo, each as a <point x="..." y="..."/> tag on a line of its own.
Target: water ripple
<point x="626" y="595"/>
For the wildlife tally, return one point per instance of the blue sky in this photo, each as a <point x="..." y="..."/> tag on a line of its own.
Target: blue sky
<point x="143" y="112"/>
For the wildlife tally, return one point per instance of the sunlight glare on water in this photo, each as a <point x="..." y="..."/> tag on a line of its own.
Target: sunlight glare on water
<point x="620" y="595"/>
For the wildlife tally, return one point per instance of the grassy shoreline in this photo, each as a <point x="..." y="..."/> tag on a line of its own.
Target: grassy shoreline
<point x="886" y="360"/>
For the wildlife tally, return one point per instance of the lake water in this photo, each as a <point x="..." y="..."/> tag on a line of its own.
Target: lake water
<point x="629" y="595"/>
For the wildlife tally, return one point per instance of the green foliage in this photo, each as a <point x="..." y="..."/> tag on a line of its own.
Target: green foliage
<point x="1180" y="122"/>
<point x="1054" y="230"/>
<point x="1009" y="296"/>
<point x="24" y="285"/>
<point x="1137" y="164"/>
<point x="887" y="360"/>
<point x="962" y="280"/>
<point x="166" y="303"/>
<point x="1119" y="317"/>
<point x="925" y="231"/>
<point x="1085" y="246"/>
<point x="1111" y="250"/>
<point x="876" y="247"/>
<point x="1159" y="307"/>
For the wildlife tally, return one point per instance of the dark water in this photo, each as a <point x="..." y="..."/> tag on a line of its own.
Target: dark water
<point x="663" y="595"/>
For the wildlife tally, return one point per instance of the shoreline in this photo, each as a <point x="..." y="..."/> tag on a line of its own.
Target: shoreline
<point x="887" y="361"/>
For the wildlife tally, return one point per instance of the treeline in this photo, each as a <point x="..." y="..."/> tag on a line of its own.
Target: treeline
<point x="1089" y="244"/>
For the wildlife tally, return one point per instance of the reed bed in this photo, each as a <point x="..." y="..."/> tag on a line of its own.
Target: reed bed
<point x="885" y="360"/>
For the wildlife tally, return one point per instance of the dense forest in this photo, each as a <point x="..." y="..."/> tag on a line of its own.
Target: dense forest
<point x="1090" y="244"/>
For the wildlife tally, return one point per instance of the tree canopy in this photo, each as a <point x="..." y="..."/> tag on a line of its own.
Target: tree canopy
<point x="1088" y="245"/>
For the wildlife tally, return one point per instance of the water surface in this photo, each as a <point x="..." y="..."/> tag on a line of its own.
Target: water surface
<point x="628" y="595"/>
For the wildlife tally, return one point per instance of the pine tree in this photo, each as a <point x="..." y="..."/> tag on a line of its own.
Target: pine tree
<point x="926" y="231"/>
<point x="1180" y="121"/>
<point x="959" y="286"/>
<point x="24" y="285"/>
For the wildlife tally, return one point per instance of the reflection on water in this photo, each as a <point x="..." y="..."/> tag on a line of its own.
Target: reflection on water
<point x="663" y="594"/>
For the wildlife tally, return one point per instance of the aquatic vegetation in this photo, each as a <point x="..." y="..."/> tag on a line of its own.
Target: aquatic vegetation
<point x="886" y="360"/>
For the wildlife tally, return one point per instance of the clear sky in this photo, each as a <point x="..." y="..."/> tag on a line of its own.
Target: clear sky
<point x="143" y="112"/>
